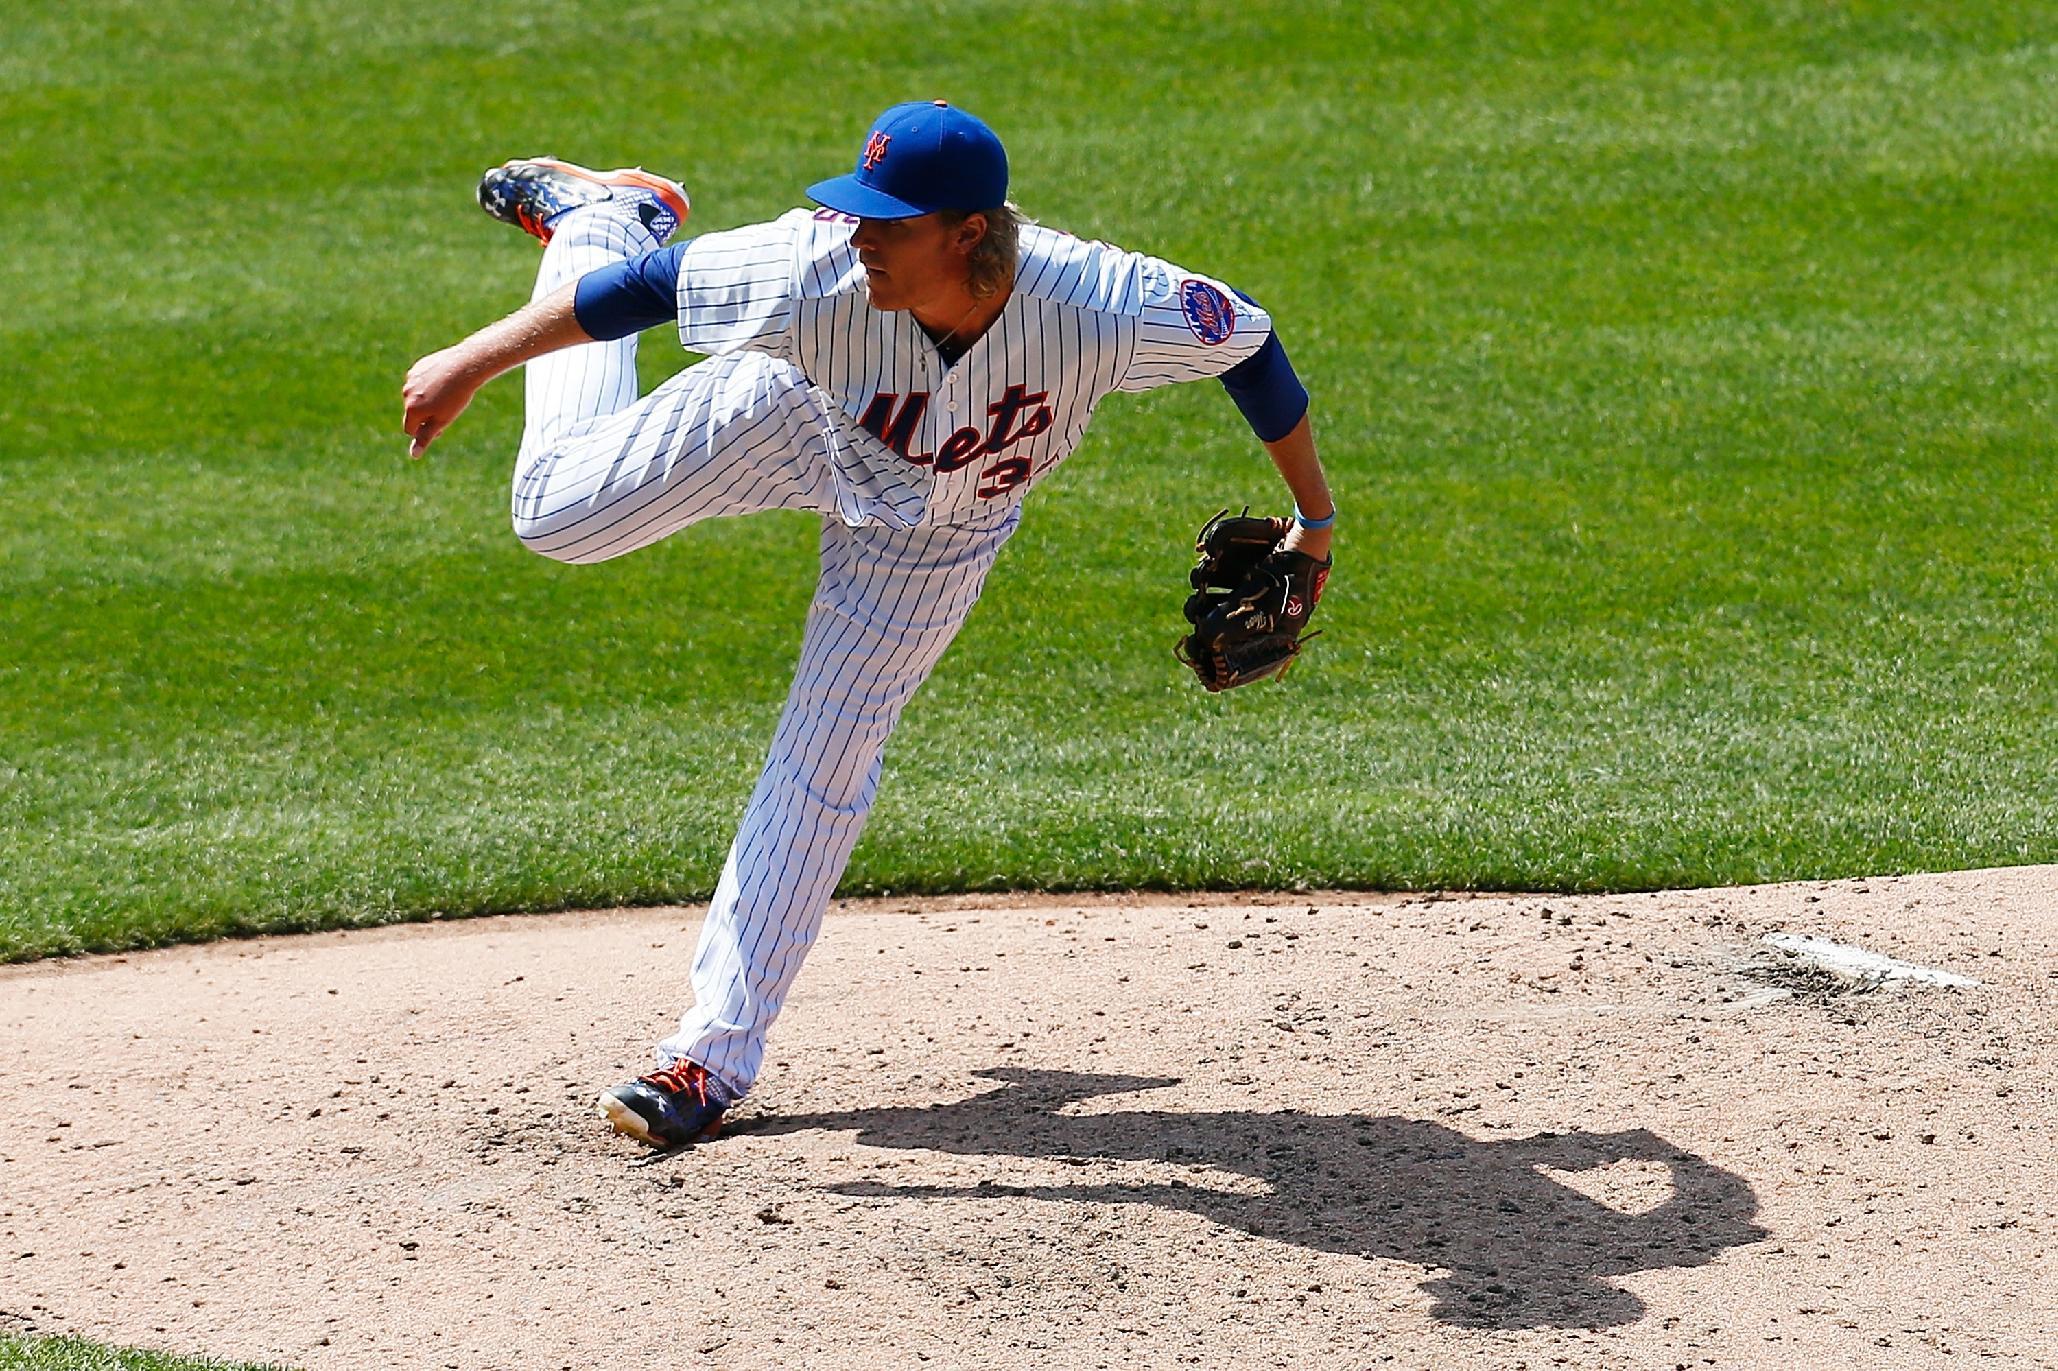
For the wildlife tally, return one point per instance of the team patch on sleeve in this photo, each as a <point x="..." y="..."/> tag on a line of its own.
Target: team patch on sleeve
<point x="1208" y="312"/>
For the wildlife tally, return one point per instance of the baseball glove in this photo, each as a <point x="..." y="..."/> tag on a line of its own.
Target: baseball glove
<point x="1251" y="600"/>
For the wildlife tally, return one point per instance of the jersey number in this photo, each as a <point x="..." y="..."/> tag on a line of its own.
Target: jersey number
<point x="1002" y="477"/>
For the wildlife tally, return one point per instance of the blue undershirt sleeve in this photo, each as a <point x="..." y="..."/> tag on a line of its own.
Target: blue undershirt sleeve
<point x="629" y="296"/>
<point x="1264" y="386"/>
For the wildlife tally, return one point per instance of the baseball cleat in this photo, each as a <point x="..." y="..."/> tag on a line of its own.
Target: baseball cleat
<point x="671" y="1107"/>
<point x="529" y="192"/>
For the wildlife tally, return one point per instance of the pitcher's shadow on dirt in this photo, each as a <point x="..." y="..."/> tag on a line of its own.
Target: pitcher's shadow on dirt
<point x="1518" y="1249"/>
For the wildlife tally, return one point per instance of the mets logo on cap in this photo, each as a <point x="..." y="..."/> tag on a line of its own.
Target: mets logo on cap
<point x="1208" y="312"/>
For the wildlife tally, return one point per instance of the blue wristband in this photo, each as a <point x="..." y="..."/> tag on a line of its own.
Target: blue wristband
<point x="1314" y="525"/>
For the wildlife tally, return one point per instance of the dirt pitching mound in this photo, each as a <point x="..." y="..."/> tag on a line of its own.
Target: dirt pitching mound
<point x="1336" y="1131"/>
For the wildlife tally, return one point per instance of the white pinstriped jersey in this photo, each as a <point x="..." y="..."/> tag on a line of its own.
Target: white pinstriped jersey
<point x="922" y="442"/>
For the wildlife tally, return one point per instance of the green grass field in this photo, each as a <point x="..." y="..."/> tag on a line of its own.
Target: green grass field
<point x="70" y="1354"/>
<point x="1683" y="373"/>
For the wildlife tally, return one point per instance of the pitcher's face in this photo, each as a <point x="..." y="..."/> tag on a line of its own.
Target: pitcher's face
<point x="909" y="262"/>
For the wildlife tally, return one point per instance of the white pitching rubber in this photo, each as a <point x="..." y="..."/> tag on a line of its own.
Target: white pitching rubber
<point x="1861" y="964"/>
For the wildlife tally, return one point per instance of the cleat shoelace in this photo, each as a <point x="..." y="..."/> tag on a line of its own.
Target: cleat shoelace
<point x="682" y="1078"/>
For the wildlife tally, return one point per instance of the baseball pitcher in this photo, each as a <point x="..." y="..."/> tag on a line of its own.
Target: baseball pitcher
<point x="906" y="360"/>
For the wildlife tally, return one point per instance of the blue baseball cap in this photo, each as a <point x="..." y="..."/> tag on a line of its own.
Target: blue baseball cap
<point x="919" y="158"/>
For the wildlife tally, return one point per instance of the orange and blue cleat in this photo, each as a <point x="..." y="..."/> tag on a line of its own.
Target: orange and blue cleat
<point x="671" y="1107"/>
<point x="530" y="192"/>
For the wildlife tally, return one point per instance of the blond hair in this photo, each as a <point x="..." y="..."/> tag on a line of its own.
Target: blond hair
<point x="992" y="263"/>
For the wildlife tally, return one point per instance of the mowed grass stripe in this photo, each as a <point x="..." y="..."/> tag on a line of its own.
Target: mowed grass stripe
<point x="1682" y="377"/>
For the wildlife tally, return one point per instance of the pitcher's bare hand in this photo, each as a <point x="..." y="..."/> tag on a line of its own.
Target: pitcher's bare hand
<point x="437" y="389"/>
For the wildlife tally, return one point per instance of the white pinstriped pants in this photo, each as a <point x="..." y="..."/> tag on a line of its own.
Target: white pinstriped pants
<point x="602" y="472"/>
